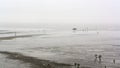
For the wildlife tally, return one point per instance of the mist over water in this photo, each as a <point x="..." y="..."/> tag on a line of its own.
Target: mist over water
<point x="62" y="26"/>
<point x="96" y="22"/>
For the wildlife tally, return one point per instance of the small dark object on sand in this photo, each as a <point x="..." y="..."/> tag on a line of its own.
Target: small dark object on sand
<point x="105" y="67"/>
<point x="49" y="66"/>
<point x="114" y="61"/>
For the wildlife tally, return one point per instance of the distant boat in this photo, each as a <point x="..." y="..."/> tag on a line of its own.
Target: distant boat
<point x="74" y="29"/>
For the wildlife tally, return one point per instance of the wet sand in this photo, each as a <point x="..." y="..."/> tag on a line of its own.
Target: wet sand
<point x="35" y="62"/>
<point x="9" y="63"/>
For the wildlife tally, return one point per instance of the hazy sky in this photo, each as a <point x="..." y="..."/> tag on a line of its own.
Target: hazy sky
<point x="59" y="12"/>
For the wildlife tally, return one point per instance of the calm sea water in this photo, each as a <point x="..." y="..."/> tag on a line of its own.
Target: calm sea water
<point x="69" y="47"/>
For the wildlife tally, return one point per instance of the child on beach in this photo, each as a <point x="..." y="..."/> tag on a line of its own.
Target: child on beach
<point x="100" y="58"/>
<point x="96" y="56"/>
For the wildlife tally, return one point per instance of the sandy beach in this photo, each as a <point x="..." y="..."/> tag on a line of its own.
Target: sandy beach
<point x="37" y="63"/>
<point x="33" y="62"/>
<point x="46" y="51"/>
<point x="10" y="63"/>
<point x="59" y="33"/>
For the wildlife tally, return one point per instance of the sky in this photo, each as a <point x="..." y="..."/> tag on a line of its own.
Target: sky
<point x="60" y="13"/>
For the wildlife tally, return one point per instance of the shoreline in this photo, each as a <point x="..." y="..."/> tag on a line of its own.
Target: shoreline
<point x="20" y="36"/>
<point x="33" y="61"/>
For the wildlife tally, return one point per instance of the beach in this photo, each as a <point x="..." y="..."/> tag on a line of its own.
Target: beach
<point x="9" y="63"/>
<point x="63" y="49"/>
<point x="34" y="62"/>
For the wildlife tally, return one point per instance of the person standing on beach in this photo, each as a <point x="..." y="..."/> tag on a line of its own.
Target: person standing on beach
<point x="100" y="58"/>
<point x="114" y="61"/>
<point x="96" y="56"/>
<point x="78" y="65"/>
<point x="75" y="64"/>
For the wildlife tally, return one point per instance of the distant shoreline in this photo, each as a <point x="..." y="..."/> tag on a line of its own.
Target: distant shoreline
<point x="19" y="36"/>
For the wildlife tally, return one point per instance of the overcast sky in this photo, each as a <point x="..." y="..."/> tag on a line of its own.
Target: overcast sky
<point x="59" y="12"/>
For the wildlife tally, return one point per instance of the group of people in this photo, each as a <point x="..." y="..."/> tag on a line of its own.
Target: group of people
<point x="98" y="58"/>
<point x="77" y="65"/>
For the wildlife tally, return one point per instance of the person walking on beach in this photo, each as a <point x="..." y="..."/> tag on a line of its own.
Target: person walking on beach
<point x="78" y="65"/>
<point x="114" y="61"/>
<point x="96" y="56"/>
<point x="100" y="58"/>
<point x="75" y="64"/>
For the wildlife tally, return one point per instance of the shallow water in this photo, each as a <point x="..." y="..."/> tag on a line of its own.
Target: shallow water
<point x="69" y="47"/>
